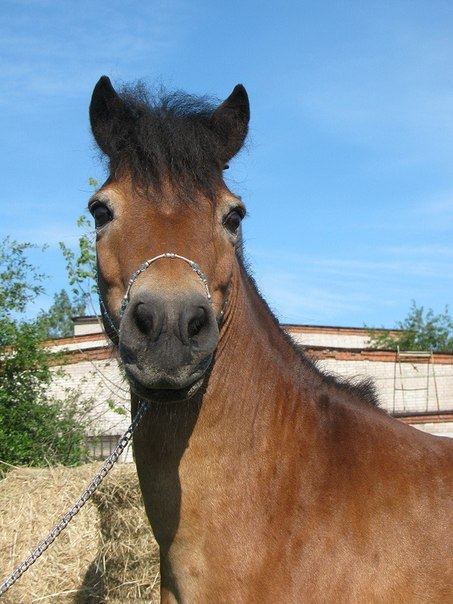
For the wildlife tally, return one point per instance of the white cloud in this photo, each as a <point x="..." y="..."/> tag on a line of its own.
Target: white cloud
<point x="416" y="251"/>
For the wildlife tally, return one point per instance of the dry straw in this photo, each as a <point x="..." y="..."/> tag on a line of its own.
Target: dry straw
<point x="107" y="555"/>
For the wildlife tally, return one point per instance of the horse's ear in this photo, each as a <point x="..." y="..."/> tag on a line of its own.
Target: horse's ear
<point x="231" y="121"/>
<point x="106" y="110"/>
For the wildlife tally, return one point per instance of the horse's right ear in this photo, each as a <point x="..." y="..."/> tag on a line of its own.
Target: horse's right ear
<point x="106" y="110"/>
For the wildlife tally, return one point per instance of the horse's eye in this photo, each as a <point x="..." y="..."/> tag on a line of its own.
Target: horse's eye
<point x="232" y="221"/>
<point x="101" y="214"/>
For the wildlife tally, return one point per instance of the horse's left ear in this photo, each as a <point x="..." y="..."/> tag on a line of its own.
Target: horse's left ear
<point x="231" y="121"/>
<point x="107" y="113"/>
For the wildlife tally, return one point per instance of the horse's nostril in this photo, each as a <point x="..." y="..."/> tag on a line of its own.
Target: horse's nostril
<point x="144" y="319"/>
<point x="196" y="323"/>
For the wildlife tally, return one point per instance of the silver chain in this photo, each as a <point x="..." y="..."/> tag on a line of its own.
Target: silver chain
<point x="142" y="268"/>
<point x="78" y="505"/>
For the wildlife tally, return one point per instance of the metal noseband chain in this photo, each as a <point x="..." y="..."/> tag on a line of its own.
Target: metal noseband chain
<point x="142" y="268"/>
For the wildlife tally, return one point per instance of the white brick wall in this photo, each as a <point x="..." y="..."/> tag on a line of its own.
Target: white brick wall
<point x="332" y="340"/>
<point x="419" y="392"/>
<point x="102" y="381"/>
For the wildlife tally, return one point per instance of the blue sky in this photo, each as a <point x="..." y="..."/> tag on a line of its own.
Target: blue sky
<point x="348" y="173"/>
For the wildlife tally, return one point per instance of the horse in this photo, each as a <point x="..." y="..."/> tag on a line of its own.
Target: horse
<point x="264" y="479"/>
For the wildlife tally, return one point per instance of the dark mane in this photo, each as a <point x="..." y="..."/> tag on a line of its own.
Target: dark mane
<point x="166" y="135"/>
<point x="359" y="388"/>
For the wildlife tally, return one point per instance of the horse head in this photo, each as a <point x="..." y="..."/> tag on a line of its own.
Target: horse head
<point x="168" y="231"/>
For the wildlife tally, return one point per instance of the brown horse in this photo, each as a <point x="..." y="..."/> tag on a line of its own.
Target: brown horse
<point x="264" y="479"/>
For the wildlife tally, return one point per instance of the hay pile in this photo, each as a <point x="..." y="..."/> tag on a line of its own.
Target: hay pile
<point x="106" y="555"/>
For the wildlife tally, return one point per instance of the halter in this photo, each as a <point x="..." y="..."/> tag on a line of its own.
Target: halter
<point x="141" y="269"/>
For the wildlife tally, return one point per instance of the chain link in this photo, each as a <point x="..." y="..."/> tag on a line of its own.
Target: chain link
<point x="78" y="505"/>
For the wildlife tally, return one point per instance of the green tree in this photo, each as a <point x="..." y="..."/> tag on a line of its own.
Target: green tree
<point x="81" y="272"/>
<point x="57" y="321"/>
<point x="420" y="330"/>
<point x="35" y="429"/>
<point x="20" y="282"/>
<point x="81" y="267"/>
<point x="82" y="275"/>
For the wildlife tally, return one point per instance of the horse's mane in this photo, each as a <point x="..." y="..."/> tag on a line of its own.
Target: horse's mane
<point x="358" y="388"/>
<point x="167" y="136"/>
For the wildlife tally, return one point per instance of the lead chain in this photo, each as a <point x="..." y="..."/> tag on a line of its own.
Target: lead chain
<point x="78" y="505"/>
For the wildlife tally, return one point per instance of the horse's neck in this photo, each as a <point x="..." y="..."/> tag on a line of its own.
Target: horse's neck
<point x="256" y="366"/>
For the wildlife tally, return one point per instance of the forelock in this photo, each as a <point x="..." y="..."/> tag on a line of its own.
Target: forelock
<point x="168" y="136"/>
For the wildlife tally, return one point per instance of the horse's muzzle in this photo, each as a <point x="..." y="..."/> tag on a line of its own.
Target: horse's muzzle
<point x="167" y="344"/>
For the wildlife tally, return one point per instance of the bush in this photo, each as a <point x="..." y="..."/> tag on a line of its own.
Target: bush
<point x="35" y="428"/>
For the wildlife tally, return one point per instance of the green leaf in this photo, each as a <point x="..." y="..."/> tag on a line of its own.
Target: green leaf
<point x="420" y="330"/>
